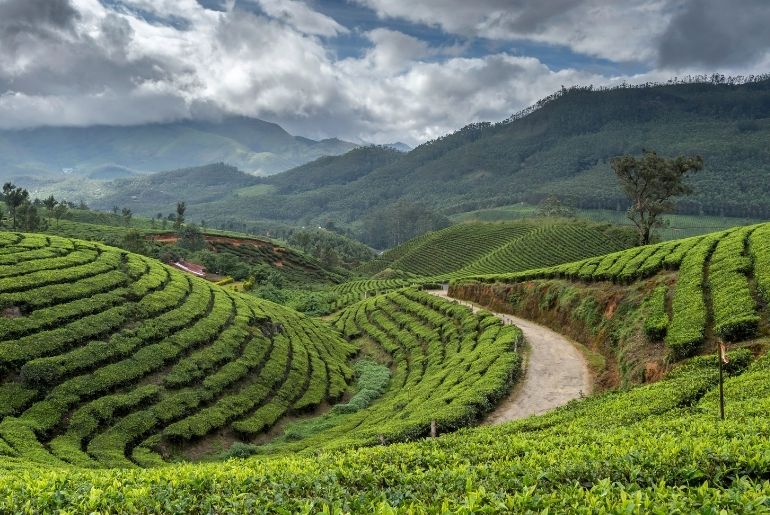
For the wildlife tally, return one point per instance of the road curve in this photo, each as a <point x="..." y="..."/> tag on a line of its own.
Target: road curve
<point x="555" y="372"/>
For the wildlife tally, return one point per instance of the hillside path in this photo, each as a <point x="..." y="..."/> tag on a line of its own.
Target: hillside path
<point x="555" y="371"/>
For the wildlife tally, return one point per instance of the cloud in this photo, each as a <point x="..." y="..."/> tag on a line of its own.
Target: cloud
<point x="714" y="33"/>
<point x="393" y="50"/>
<point x="84" y="62"/>
<point x="619" y="31"/>
<point x="301" y="17"/>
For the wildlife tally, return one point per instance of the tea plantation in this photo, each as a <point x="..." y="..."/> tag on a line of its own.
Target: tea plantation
<point x="722" y="283"/>
<point x="657" y="448"/>
<point x="113" y="361"/>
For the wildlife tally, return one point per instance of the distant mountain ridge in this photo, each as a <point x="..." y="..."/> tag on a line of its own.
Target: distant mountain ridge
<point x="105" y="152"/>
<point x="563" y="147"/>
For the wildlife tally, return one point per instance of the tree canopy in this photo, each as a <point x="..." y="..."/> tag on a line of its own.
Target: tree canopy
<point x="651" y="182"/>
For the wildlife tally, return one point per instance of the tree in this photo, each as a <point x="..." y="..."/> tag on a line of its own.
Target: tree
<point x="50" y="204"/>
<point x="180" y="209"/>
<point x="134" y="241"/>
<point x="14" y="197"/>
<point x="127" y="214"/>
<point x="59" y="211"/>
<point x="552" y="206"/>
<point x="650" y="182"/>
<point x="29" y="219"/>
<point x="115" y="210"/>
<point x="191" y="238"/>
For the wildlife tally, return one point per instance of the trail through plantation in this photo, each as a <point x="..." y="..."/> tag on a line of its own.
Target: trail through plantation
<point x="555" y="371"/>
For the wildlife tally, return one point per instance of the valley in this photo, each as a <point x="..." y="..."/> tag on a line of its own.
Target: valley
<point x="566" y="310"/>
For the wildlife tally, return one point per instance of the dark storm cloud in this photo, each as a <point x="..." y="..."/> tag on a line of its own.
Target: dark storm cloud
<point x="717" y="33"/>
<point x="25" y="14"/>
<point x="42" y="19"/>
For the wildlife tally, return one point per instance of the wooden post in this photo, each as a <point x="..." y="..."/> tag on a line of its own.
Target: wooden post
<point x="433" y="430"/>
<point x="721" y="357"/>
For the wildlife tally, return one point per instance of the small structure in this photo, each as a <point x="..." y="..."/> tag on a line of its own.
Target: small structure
<point x="192" y="268"/>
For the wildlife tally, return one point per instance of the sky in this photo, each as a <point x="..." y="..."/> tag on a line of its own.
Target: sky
<point x="376" y="71"/>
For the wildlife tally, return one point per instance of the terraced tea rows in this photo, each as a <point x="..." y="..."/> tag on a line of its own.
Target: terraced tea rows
<point x="558" y="243"/>
<point x="449" y="367"/>
<point x="657" y="448"/>
<point x="714" y="282"/>
<point x="297" y="266"/>
<point x="453" y="248"/>
<point x="107" y="357"/>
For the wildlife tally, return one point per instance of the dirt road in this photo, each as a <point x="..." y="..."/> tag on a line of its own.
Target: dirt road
<point x="555" y="371"/>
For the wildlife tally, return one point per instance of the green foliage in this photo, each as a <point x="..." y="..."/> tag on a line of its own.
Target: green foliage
<point x="651" y="183"/>
<point x="330" y="248"/>
<point x="656" y="319"/>
<point x="654" y="448"/>
<point x="190" y="238"/>
<point x="735" y="316"/>
<point x="109" y="353"/>
<point x="449" y="366"/>
<point x="372" y="382"/>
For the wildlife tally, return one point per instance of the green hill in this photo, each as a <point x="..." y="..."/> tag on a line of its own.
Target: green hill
<point x="658" y="448"/>
<point x="473" y="248"/>
<point x="113" y="359"/>
<point x="106" y="354"/>
<point x="722" y="284"/>
<point x="84" y="384"/>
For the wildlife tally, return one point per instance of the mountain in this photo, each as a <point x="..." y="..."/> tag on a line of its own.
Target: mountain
<point x="159" y="192"/>
<point x="400" y="146"/>
<point x="562" y="147"/>
<point x="250" y="144"/>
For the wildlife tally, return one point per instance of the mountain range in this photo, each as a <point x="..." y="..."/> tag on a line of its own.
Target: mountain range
<point x="108" y="152"/>
<point x="562" y="146"/>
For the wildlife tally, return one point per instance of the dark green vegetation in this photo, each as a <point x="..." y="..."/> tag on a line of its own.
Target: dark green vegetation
<point x="564" y="148"/>
<point x="41" y="155"/>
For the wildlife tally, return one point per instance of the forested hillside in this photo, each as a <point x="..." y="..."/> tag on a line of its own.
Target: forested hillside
<point x="562" y="147"/>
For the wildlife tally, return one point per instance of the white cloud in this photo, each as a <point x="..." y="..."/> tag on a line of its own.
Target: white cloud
<point x="620" y="31"/>
<point x="84" y="63"/>
<point x="301" y="17"/>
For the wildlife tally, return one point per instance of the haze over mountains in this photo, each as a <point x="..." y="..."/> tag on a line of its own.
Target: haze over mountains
<point x="104" y="152"/>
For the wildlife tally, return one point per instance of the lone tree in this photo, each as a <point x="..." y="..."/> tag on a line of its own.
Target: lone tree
<point x="650" y="182"/>
<point x="126" y="214"/>
<point x="181" y="207"/>
<point x="552" y="206"/>
<point x="59" y="211"/>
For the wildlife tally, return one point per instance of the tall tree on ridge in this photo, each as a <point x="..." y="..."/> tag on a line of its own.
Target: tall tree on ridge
<point x="650" y="182"/>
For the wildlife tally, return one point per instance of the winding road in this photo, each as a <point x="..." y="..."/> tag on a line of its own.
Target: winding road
<point x="555" y="371"/>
